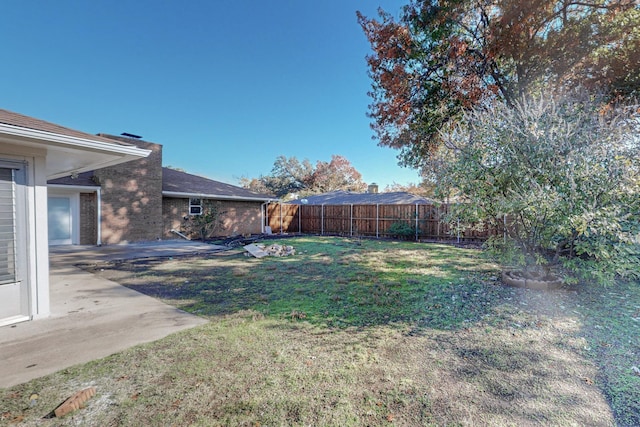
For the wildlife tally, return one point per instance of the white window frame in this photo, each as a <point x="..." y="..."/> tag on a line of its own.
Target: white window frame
<point x="195" y="206"/>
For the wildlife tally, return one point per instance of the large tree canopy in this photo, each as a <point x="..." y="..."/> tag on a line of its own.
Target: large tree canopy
<point x="289" y="175"/>
<point x="441" y="58"/>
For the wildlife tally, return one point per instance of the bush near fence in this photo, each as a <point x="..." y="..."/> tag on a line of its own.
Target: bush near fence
<point x="367" y="221"/>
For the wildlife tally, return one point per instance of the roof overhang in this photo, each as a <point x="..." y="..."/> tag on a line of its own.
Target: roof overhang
<point x="216" y="196"/>
<point x="68" y="155"/>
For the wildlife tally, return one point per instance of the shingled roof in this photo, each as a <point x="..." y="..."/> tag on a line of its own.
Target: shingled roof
<point x="20" y="120"/>
<point x="349" y="198"/>
<point x="181" y="184"/>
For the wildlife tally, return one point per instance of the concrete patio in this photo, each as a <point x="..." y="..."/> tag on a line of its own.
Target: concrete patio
<point x="91" y="317"/>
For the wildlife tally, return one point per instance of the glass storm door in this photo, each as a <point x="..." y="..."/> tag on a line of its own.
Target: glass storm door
<point x="14" y="288"/>
<point x="60" y="220"/>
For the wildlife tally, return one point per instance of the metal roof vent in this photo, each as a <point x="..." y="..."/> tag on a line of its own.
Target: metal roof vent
<point x="130" y="135"/>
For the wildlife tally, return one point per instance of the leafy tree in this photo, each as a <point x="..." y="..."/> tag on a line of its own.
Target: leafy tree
<point x="256" y="185"/>
<point x="424" y="189"/>
<point x="338" y="174"/>
<point x="441" y="58"/>
<point x="289" y="175"/>
<point x="565" y="172"/>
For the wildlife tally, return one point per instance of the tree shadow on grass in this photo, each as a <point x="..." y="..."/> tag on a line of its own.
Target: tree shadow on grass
<point x="330" y="282"/>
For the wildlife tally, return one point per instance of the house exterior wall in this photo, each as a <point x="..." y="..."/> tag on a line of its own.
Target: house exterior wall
<point x="131" y="196"/>
<point x="238" y="217"/>
<point x="88" y="218"/>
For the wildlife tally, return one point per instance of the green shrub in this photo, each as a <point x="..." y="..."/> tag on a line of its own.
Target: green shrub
<point x="402" y="230"/>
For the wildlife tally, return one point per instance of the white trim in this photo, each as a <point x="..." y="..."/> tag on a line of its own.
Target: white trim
<point x="215" y="196"/>
<point x="75" y="142"/>
<point x="77" y="189"/>
<point x="74" y="187"/>
<point x="15" y="319"/>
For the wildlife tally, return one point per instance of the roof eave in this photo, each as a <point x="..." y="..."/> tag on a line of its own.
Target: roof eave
<point x="217" y="196"/>
<point x="72" y="141"/>
<point x="90" y="154"/>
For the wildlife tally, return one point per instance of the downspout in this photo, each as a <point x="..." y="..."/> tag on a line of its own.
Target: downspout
<point x="99" y="216"/>
<point x="263" y="213"/>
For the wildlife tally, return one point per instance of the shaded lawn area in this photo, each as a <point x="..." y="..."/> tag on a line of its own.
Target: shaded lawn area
<point x="330" y="282"/>
<point x="359" y="332"/>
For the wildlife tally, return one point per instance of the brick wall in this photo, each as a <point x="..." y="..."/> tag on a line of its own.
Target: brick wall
<point x="238" y="217"/>
<point x="132" y="196"/>
<point x="88" y="219"/>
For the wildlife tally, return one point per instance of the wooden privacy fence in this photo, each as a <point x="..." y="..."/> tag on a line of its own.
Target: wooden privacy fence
<point x="368" y="220"/>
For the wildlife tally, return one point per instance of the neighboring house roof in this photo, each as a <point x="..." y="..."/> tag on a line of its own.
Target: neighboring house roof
<point x="68" y="151"/>
<point x="349" y="198"/>
<point x="181" y="184"/>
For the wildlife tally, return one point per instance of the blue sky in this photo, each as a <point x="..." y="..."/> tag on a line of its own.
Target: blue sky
<point x="224" y="86"/>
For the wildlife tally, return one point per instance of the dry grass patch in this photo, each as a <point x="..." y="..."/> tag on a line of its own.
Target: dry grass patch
<point x="246" y="370"/>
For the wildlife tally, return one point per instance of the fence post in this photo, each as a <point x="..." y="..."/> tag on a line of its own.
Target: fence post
<point x="280" y="218"/>
<point x="438" y="223"/>
<point x="416" y="222"/>
<point x="377" y="220"/>
<point x="458" y="230"/>
<point x="351" y="220"/>
<point x="322" y="220"/>
<point x="299" y="210"/>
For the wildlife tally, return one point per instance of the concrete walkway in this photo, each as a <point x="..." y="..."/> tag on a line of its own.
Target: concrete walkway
<point x="91" y="317"/>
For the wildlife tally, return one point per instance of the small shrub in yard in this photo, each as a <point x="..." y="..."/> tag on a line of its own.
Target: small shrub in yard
<point x="402" y="230"/>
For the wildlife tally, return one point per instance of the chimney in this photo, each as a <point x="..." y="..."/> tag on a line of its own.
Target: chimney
<point x="373" y="188"/>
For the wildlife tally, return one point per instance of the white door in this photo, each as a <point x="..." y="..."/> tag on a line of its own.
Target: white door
<point x="64" y="217"/>
<point x="14" y="287"/>
<point x="60" y="220"/>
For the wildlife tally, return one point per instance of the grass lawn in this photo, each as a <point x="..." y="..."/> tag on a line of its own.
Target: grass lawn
<point x="353" y="333"/>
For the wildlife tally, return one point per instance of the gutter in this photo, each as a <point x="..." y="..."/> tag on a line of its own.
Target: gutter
<point x="73" y="141"/>
<point x="74" y="187"/>
<point x="216" y="196"/>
